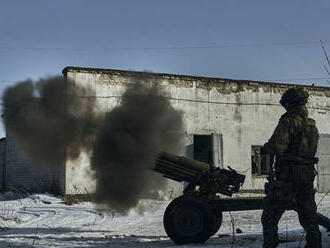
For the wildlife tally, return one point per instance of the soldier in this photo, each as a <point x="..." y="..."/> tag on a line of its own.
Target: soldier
<point x="294" y="143"/>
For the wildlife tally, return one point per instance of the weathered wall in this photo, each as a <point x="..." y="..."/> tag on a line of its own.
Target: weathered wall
<point x="244" y="112"/>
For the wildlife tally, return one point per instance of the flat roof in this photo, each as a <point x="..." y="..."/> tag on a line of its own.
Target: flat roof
<point x="186" y="77"/>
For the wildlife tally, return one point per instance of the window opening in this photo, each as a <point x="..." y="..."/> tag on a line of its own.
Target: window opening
<point x="260" y="161"/>
<point x="203" y="148"/>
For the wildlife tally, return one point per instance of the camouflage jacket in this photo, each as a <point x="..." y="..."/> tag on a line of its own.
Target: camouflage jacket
<point x="295" y="137"/>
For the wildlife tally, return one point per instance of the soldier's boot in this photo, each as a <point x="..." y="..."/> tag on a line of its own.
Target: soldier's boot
<point x="270" y="237"/>
<point x="313" y="239"/>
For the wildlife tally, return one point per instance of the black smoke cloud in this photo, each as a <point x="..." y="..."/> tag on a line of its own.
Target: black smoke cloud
<point x="50" y="119"/>
<point x="132" y="135"/>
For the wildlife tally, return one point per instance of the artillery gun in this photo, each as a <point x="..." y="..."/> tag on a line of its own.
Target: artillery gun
<point x="196" y="215"/>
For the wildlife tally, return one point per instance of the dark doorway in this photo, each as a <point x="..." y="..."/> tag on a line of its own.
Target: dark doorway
<point x="203" y="148"/>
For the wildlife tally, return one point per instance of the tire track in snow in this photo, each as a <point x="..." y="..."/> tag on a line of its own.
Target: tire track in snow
<point x="60" y="215"/>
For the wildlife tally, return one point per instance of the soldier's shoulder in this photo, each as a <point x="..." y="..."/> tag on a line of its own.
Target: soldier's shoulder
<point x="286" y="118"/>
<point x="311" y="121"/>
<point x="290" y="120"/>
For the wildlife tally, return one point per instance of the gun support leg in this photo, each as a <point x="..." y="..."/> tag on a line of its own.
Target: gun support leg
<point x="323" y="221"/>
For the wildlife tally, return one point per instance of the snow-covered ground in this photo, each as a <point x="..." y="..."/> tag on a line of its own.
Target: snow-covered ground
<point x="41" y="220"/>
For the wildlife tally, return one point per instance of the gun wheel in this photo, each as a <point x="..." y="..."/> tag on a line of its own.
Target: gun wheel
<point x="189" y="220"/>
<point x="218" y="222"/>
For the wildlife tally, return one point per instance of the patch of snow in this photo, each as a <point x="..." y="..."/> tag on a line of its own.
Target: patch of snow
<point x="33" y="223"/>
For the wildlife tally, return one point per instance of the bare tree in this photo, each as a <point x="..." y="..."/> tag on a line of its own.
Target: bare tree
<point x="327" y="66"/>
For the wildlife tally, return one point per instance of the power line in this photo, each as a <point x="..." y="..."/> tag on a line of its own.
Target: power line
<point x="9" y="81"/>
<point x="197" y="101"/>
<point x="295" y="43"/>
<point x="203" y="101"/>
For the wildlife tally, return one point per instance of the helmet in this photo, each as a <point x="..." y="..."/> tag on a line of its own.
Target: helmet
<point x="294" y="97"/>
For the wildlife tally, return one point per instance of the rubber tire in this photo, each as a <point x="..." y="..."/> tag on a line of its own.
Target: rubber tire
<point x="188" y="219"/>
<point x="218" y="222"/>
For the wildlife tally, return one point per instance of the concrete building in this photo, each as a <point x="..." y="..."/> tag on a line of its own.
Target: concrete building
<point x="226" y="121"/>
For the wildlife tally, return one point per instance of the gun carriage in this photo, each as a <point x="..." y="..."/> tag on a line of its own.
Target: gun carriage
<point x="196" y="215"/>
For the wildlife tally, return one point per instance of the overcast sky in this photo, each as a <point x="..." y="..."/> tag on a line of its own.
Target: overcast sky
<point x="241" y="39"/>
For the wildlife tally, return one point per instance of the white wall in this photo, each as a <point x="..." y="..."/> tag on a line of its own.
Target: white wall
<point x="245" y="113"/>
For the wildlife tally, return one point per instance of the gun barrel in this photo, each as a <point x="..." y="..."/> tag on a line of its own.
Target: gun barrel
<point x="179" y="168"/>
<point x="199" y="174"/>
<point x="185" y="162"/>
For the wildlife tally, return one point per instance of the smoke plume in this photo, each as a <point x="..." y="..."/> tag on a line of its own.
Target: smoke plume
<point x="132" y="135"/>
<point x="50" y="119"/>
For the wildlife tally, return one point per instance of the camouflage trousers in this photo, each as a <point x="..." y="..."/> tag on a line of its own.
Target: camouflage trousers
<point x="289" y="196"/>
